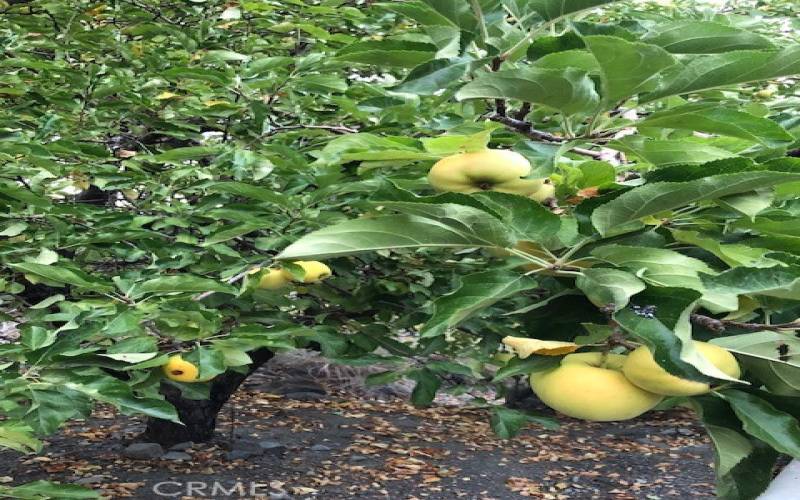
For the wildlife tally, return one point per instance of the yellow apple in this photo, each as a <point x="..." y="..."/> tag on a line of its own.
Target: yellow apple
<point x="546" y="192"/>
<point x="273" y="279"/>
<point x="642" y="370"/>
<point x="591" y="386"/>
<point x="487" y="170"/>
<point x="315" y="271"/>
<point x="180" y="370"/>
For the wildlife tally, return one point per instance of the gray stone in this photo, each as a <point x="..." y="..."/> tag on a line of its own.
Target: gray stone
<point x="686" y="432"/>
<point x="305" y="396"/>
<point x="178" y="456"/>
<point x="272" y="446"/>
<point x="357" y="458"/>
<point x="279" y="495"/>
<point x="181" y="446"/>
<point x="239" y="455"/>
<point x="246" y="445"/>
<point x="143" y="451"/>
<point x="90" y="480"/>
<point x="320" y="447"/>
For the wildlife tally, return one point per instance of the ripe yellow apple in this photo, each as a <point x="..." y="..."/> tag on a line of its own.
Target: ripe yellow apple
<point x="273" y="279"/>
<point x="315" y="271"/>
<point x="642" y="370"/>
<point x="180" y="370"/>
<point x="487" y="170"/>
<point x="591" y="386"/>
<point x="546" y="192"/>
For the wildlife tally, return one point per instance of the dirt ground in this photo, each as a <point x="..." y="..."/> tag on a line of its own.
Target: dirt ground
<point x="340" y="446"/>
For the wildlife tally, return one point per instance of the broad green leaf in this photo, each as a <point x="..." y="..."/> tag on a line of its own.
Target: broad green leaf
<point x="716" y="119"/>
<point x="477" y="291"/>
<point x="703" y="37"/>
<point x="729" y="68"/>
<point x="62" y="275"/>
<point x="743" y="465"/>
<point x="531" y="364"/>
<point x="528" y="219"/>
<point x="657" y="197"/>
<point x="388" y="53"/>
<point x="423" y="14"/>
<point x="783" y="282"/>
<point x="18" y="437"/>
<point x="750" y="204"/>
<point x="39" y="490"/>
<point x="733" y="254"/>
<point x="763" y="421"/>
<point x="507" y="423"/>
<point x="248" y="191"/>
<point x="460" y="226"/>
<point x="119" y="394"/>
<point x="662" y="342"/>
<point x="180" y="155"/>
<point x="764" y="345"/>
<point x="628" y="68"/>
<point x="432" y="76"/>
<point x="552" y="10"/>
<point x="181" y="283"/>
<point x="609" y="287"/>
<point x="570" y="90"/>
<point x="665" y="152"/>
<point x="35" y="337"/>
<point x="427" y="383"/>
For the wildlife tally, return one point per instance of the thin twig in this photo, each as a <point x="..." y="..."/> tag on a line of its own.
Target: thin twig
<point x="526" y="128"/>
<point x="336" y="129"/>
<point x="720" y="325"/>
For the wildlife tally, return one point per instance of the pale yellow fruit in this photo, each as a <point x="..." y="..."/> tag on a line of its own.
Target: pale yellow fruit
<point x="525" y="346"/>
<point x="591" y="386"/>
<point x="546" y="192"/>
<point x="180" y="370"/>
<point x="273" y="279"/>
<point x="315" y="271"/>
<point x="642" y="370"/>
<point x="488" y="170"/>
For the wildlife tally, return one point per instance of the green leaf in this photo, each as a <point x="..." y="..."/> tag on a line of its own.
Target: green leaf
<point x="39" y="490"/>
<point x="36" y="337"/>
<point x="729" y="68"/>
<point x="570" y="90"/>
<point x="427" y="383"/>
<point x="430" y="77"/>
<point x="476" y="292"/>
<point x="743" y="465"/>
<point x="552" y="10"/>
<point x="609" y="287"/>
<point x="18" y="437"/>
<point x="704" y="37"/>
<point x="459" y="226"/>
<point x="783" y="282"/>
<point x="657" y="197"/>
<point x="180" y="155"/>
<point x="764" y="345"/>
<point x="181" y="283"/>
<point x="662" y="342"/>
<point x="628" y="68"/>
<point x="388" y="53"/>
<point x="662" y="153"/>
<point x="507" y="423"/>
<point x="765" y="422"/>
<point x="248" y="191"/>
<point x="528" y="219"/>
<point x="62" y="275"/>
<point x="716" y="119"/>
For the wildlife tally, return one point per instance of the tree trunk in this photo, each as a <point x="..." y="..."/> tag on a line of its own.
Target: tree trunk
<point x="199" y="416"/>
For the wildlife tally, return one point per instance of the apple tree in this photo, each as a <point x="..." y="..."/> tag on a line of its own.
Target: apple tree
<point x="174" y="173"/>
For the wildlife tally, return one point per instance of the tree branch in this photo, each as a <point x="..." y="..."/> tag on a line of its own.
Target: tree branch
<point x="336" y="129"/>
<point x="720" y="325"/>
<point x="526" y="128"/>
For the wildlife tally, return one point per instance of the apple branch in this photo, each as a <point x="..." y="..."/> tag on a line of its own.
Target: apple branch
<point x="720" y="325"/>
<point x="526" y="128"/>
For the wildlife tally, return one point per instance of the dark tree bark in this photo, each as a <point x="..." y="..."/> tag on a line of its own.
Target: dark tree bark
<point x="199" y="416"/>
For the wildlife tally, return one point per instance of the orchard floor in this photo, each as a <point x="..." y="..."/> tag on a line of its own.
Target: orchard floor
<point x="384" y="450"/>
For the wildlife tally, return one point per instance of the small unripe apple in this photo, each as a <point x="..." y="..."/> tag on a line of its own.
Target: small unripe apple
<point x="591" y="386"/>
<point x="488" y="170"/>
<point x="641" y="369"/>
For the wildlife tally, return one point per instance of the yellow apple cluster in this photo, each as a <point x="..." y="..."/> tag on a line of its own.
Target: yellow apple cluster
<point x="275" y="279"/>
<point x="488" y="170"/>
<point x="603" y="387"/>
